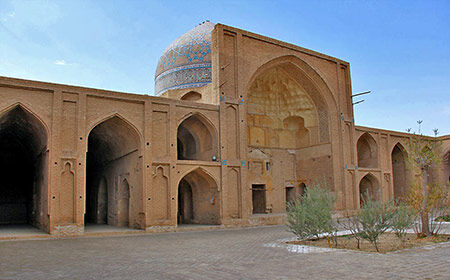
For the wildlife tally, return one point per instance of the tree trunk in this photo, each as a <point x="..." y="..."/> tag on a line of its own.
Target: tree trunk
<point x="376" y="245"/>
<point x="424" y="213"/>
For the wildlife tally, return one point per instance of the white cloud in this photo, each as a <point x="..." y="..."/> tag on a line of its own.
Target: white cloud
<point x="62" y="62"/>
<point x="9" y="16"/>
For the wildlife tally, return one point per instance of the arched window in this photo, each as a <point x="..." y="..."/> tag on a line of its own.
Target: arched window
<point x="367" y="151"/>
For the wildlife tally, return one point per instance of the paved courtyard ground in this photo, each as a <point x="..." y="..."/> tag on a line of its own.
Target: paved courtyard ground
<point x="249" y="253"/>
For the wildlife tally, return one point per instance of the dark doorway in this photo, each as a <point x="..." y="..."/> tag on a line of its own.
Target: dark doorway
<point x="23" y="169"/>
<point x="185" y="203"/>
<point x="259" y="199"/>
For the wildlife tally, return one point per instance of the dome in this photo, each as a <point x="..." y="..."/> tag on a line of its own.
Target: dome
<point x="186" y="63"/>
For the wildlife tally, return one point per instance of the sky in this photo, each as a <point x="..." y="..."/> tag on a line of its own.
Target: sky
<point x="400" y="50"/>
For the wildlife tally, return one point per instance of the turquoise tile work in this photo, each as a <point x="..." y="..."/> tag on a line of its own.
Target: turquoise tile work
<point x="187" y="61"/>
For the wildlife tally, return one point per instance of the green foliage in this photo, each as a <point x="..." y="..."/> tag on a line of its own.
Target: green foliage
<point x="424" y="151"/>
<point x="444" y="218"/>
<point x="375" y="218"/>
<point x="426" y="200"/>
<point x="310" y="215"/>
<point x="402" y="220"/>
<point x="430" y="203"/>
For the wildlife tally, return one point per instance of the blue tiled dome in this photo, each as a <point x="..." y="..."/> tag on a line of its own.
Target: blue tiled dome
<point x="186" y="62"/>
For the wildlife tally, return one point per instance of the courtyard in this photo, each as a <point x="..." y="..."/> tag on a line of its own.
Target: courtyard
<point x="244" y="253"/>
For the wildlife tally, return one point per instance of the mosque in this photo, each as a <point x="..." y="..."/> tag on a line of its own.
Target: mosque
<point x="238" y="125"/>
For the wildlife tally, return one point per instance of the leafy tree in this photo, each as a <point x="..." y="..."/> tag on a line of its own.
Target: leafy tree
<point x="424" y="154"/>
<point x="309" y="215"/>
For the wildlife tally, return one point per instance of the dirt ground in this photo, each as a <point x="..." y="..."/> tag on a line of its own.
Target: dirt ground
<point x="388" y="242"/>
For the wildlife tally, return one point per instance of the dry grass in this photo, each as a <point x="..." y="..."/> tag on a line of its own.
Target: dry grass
<point x="387" y="242"/>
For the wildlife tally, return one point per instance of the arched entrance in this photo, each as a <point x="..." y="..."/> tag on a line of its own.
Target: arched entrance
<point x="185" y="203"/>
<point x="23" y="169"/>
<point x="287" y="114"/>
<point x="196" y="139"/>
<point x="198" y="199"/>
<point x="369" y="186"/>
<point x="399" y="171"/>
<point x="367" y="151"/>
<point x="113" y="169"/>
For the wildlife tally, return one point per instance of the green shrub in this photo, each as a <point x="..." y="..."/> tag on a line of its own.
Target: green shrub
<point x="375" y="218"/>
<point x="309" y="216"/>
<point x="402" y="220"/>
<point x="445" y="218"/>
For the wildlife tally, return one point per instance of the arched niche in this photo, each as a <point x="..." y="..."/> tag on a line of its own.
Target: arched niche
<point x="400" y="171"/>
<point x="295" y="125"/>
<point x="302" y="188"/>
<point x="287" y="108"/>
<point x="369" y="185"/>
<point x="196" y="139"/>
<point x="192" y="96"/>
<point x="23" y="168"/>
<point x="198" y="199"/>
<point x="309" y="80"/>
<point x="367" y="151"/>
<point x="113" y="169"/>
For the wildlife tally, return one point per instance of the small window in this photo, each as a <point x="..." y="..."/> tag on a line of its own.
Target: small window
<point x="267" y="166"/>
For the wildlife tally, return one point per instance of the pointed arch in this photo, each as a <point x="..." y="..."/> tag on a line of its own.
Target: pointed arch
<point x="198" y="198"/>
<point x="400" y="171"/>
<point x="196" y="138"/>
<point x="200" y="170"/>
<point x="278" y="94"/>
<point x="29" y="111"/>
<point x="102" y="119"/>
<point x="369" y="185"/>
<point x="23" y="167"/>
<point x="114" y="147"/>
<point x="192" y="96"/>
<point x="306" y="70"/>
<point x="161" y="193"/>
<point x="367" y="151"/>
